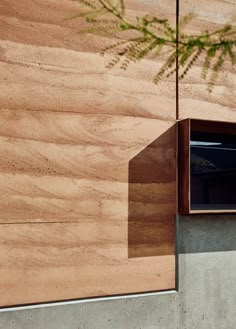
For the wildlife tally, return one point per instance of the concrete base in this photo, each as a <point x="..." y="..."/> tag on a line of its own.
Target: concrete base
<point x="206" y="297"/>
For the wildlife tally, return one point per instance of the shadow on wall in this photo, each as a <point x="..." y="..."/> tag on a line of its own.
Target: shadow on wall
<point x="152" y="198"/>
<point x="206" y="233"/>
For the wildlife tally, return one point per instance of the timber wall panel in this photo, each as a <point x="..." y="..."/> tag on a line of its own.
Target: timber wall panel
<point x="69" y="129"/>
<point x="194" y="99"/>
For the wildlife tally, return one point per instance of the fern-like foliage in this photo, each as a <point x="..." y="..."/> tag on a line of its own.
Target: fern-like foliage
<point x="152" y="36"/>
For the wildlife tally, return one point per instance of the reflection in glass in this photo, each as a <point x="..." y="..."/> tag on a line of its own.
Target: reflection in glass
<point x="213" y="171"/>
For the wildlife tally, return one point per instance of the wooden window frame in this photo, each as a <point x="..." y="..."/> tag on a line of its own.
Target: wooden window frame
<point x="184" y="172"/>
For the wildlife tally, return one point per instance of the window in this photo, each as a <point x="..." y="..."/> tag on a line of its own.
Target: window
<point x="207" y="166"/>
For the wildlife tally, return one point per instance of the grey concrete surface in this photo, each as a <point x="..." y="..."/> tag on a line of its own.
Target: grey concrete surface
<point x="206" y="298"/>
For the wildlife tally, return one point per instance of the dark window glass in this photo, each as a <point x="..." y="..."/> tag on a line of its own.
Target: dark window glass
<point x="213" y="171"/>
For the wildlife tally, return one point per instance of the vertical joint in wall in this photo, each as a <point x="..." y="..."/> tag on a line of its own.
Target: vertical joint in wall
<point x="177" y="60"/>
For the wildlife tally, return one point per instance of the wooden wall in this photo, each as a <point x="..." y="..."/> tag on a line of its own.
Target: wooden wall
<point x="69" y="129"/>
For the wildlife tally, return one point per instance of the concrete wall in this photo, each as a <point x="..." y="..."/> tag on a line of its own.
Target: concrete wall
<point x="206" y="297"/>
